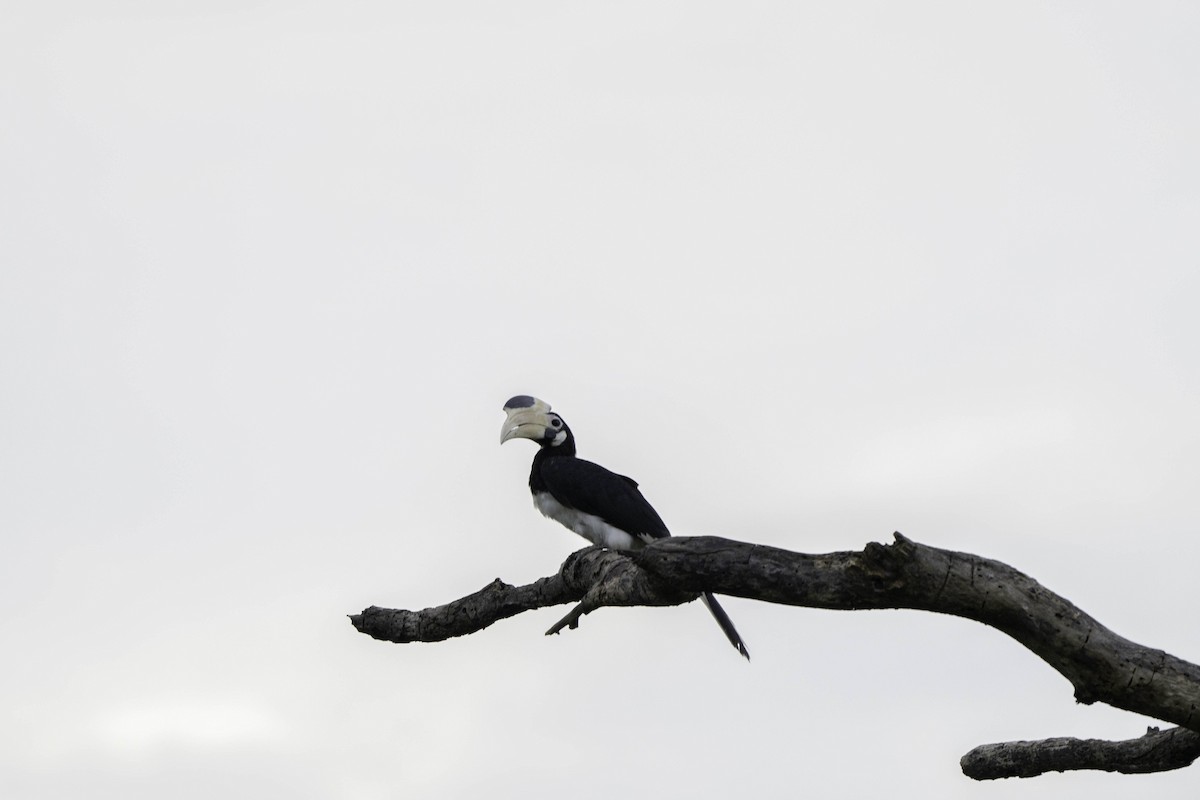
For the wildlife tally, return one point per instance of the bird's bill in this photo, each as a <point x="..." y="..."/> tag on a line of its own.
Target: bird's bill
<point x="526" y="418"/>
<point x="524" y="423"/>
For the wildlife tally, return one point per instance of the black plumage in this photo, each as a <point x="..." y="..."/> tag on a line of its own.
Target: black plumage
<point x="592" y="489"/>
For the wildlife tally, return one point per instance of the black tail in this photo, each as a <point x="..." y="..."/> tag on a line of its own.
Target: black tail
<point x="725" y="622"/>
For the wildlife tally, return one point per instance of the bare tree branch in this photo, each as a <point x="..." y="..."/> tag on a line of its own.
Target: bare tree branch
<point x="1101" y="665"/>
<point x="1157" y="751"/>
<point x="595" y="576"/>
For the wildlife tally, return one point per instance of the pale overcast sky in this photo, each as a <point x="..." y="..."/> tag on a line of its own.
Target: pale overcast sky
<point x="811" y="273"/>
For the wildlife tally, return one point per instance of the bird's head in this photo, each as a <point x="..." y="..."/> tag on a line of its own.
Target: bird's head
<point x="530" y="418"/>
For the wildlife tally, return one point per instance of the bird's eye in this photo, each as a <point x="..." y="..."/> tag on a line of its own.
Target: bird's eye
<point x="556" y="422"/>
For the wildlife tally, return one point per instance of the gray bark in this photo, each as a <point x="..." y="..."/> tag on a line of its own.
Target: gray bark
<point x="1102" y="666"/>
<point x="1157" y="751"/>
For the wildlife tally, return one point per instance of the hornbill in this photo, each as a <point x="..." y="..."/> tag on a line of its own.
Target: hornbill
<point x="601" y="506"/>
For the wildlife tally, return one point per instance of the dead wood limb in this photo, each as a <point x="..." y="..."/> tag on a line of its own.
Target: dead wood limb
<point x="1101" y="665"/>
<point x="1157" y="751"/>
<point x="594" y="577"/>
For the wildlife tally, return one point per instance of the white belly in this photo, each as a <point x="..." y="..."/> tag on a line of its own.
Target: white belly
<point x="589" y="526"/>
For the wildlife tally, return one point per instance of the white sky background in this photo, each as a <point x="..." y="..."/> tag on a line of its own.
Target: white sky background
<point x="811" y="273"/>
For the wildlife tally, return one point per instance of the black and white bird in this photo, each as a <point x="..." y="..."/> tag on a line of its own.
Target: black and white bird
<point x="601" y="506"/>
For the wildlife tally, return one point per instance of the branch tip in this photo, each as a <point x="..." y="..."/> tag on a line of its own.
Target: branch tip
<point x="1156" y="751"/>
